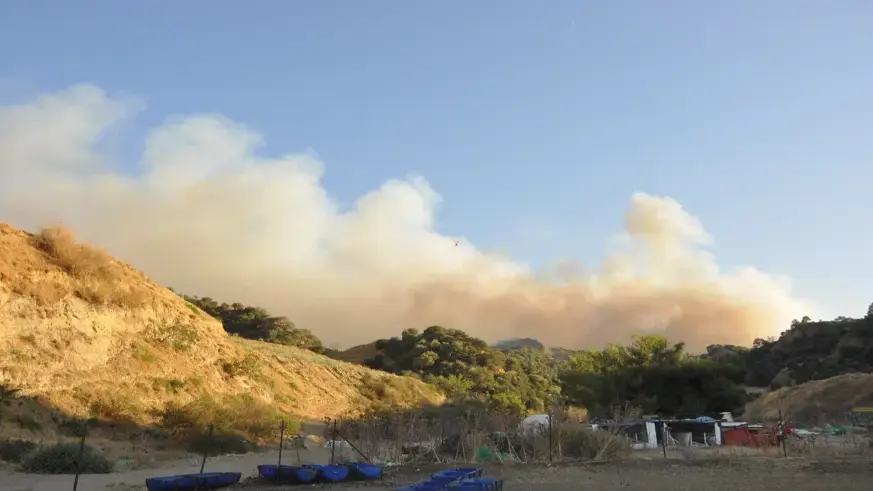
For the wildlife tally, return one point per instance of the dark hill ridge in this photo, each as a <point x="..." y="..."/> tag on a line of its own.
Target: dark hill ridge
<point x="356" y="354"/>
<point x="812" y="351"/>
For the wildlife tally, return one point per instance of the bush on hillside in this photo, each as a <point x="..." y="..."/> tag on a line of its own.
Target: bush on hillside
<point x="15" y="450"/>
<point x="99" y="277"/>
<point x="247" y="366"/>
<point x="241" y="415"/>
<point x="386" y="392"/>
<point x="62" y="458"/>
<point x="257" y="324"/>
<point x="76" y="259"/>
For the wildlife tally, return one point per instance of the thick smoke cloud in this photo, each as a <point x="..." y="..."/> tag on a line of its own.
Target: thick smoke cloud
<point x="203" y="212"/>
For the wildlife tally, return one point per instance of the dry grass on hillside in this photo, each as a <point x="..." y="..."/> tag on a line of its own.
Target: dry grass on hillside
<point x="389" y="391"/>
<point x="819" y="401"/>
<point x="77" y="259"/>
<point x="55" y="256"/>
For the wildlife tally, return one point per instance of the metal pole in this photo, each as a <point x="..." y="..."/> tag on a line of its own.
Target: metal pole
<point x="782" y="433"/>
<point x="354" y="447"/>
<point x="550" y="437"/>
<point x="333" y="443"/>
<point x="81" y="452"/>
<point x="208" y="446"/>
<point x="664" y="438"/>
<point x="297" y="444"/>
<point x="281" y="444"/>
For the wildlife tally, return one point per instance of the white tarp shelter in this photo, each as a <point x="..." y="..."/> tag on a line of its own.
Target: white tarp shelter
<point x="531" y="426"/>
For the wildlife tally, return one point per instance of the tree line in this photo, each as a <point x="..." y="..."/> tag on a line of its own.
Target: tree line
<point x="256" y="323"/>
<point x="649" y="373"/>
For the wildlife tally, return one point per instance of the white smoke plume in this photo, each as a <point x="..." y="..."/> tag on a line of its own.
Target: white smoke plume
<point x="207" y="215"/>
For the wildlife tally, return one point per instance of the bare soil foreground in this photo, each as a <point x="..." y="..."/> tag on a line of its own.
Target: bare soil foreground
<point x="670" y="475"/>
<point x="772" y="474"/>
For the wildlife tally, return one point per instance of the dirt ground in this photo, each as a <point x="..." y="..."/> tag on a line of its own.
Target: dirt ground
<point x="772" y="474"/>
<point x="134" y="479"/>
<point x="656" y="475"/>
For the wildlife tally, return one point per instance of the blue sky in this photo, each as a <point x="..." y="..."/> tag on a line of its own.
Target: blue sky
<point x="534" y="120"/>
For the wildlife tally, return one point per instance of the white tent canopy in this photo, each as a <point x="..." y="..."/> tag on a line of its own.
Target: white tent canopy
<point x="536" y="424"/>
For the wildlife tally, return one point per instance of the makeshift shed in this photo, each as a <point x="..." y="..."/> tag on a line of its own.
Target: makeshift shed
<point x="642" y="434"/>
<point x="700" y="431"/>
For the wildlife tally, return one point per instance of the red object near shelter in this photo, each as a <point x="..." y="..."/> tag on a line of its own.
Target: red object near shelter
<point x="752" y="437"/>
<point x="740" y="436"/>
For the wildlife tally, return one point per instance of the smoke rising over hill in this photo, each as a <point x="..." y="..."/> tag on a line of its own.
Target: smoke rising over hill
<point x="208" y="215"/>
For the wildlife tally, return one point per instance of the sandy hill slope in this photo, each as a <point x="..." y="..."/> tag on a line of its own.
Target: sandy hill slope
<point x="85" y="335"/>
<point x="816" y="402"/>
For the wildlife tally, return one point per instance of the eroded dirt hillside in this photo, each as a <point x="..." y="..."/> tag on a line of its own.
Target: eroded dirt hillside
<point x="815" y="402"/>
<point x="89" y="336"/>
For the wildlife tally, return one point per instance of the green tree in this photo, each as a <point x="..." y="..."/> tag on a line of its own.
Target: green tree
<point x="652" y="374"/>
<point x="258" y="324"/>
<point x="465" y="367"/>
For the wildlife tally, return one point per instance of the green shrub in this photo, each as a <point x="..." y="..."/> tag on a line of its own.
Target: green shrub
<point x="247" y="366"/>
<point x="183" y="337"/>
<point x="61" y="458"/>
<point x="14" y="450"/>
<point x="232" y="415"/>
<point x="143" y="353"/>
<point x="178" y="337"/>
<point x="220" y="444"/>
<point x="171" y="385"/>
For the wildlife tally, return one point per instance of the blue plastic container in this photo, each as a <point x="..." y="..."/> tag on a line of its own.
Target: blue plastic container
<point x="430" y="486"/>
<point x="479" y="484"/>
<point x="288" y="473"/>
<point x="441" y="480"/>
<point x="363" y="470"/>
<point x="458" y="473"/>
<point x="448" y="480"/>
<point x="332" y="473"/>
<point x="208" y="480"/>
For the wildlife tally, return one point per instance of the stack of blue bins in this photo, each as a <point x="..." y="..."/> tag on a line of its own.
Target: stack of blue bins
<point x="458" y="479"/>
